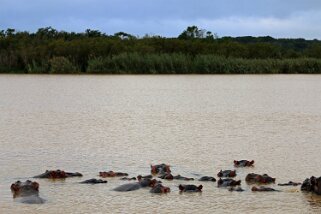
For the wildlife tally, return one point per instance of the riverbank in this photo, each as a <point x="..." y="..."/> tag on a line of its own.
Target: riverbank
<point x="192" y="52"/>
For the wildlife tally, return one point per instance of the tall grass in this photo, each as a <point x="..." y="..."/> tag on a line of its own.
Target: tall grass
<point x="134" y="63"/>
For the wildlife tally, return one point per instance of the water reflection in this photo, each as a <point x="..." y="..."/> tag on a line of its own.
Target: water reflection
<point x="313" y="200"/>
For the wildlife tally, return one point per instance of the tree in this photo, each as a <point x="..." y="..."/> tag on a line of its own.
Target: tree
<point x="192" y="32"/>
<point x="47" y="32"/>
<point x="10" y="32"/>
<point x="93" y="33"/>
<point x="123" y="35"/>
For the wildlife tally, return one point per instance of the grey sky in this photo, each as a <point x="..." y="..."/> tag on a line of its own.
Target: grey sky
<point x="278" y="18"/>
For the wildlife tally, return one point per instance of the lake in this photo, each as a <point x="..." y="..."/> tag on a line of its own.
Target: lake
<point x="198" y="124"/>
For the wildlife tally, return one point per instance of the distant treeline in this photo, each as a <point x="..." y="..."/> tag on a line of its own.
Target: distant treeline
<point x="193" y="51"/>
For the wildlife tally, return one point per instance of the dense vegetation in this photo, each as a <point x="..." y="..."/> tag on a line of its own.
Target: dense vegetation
<point x="193" y="51"/>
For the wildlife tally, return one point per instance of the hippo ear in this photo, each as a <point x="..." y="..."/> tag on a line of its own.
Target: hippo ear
<point x="200" y="187"/>
<point x="35" y="185"/>
<point x="168" y="168"/>
<point x="153" y="169"/>
<point x="14" y="188"/>
<point x="236" y="162"/>
<point x="181" y="187"/>
<point x="167" y="189"/>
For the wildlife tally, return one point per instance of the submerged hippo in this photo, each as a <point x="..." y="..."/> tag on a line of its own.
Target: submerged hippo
<point x="26" y="192"/>
<point x="227" y="173"/>
<point x="243" y="163"/>
<point x="58" y="174"/>
<point x="312" y="184"/>
<point x="228" y="182"/>
<point x="179" y="177"/>
<point x="235" y="189"/>
<point x="112" y="174"/>
<point x="169" y="176"/>
<point x="190" y="188"/>
<point x="160" y="169"/>
<point x="94" y="181"/>
<point x="127" y="179"/>
<point x="142" y="182"/>
<point x="207" y="178"/>
<point x="290" y="183"/>
<point x="260" y="179"/>
<point x="159" y="188"/>
<point x="263" y="189"/>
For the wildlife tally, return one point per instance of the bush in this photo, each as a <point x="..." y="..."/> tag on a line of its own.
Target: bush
<point x="62" y="65"/>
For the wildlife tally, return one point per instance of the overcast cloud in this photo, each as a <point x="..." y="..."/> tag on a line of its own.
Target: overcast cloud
<point x="277" y="18"/>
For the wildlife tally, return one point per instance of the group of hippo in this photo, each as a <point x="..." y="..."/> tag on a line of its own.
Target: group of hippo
<point x="28" y="191"/>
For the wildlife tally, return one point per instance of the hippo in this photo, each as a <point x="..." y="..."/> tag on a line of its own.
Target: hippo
<point x="227" y="173"/>
<point x="207" y="178"/>
<point x="160" y="169"/>
<point x="190" y="188"/>
<point x="243" y="163"/>
<point x="228" y="182"/>
<point x="58" y="174"/>
<point x="179" y="177"/>
<point x="146" y="176"/>
<point x="312" y="184"/>
<point x="147" y="182"/>
<point x="290" y="183"/>
<point x="166" y="176"/>
<point x="94" y="181"/>
<point x="112" y="174"/>
<point x="169" y="176"/>
<point x="263" y="189"/>
<point x="127" y="179"/>
<point x="159" y="188"/>
<point x="260" y="179"/>
<point x="26" y="192"/>
<point x="235" y="189"/>
<point x="142" y="182"/>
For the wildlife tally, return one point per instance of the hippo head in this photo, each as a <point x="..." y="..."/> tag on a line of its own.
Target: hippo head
<point x="190" y="188"/>
<point x="254" y="188"/>
<point x="236" y="162"/>
<point x="27" y="188"/>
<point x="54" y="174"/>
<point x="160" y="169"/>
<point x="251" y="162"/>
<point x="162" y="188"/>
<point x="152" y="182"/>
<point x="146" y="181"/>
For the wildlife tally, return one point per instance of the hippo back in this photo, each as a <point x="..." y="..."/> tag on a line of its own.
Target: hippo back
<point x="128" y="187"/>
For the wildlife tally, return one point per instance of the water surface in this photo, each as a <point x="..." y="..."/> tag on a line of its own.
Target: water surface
<point x="197" y="124"/>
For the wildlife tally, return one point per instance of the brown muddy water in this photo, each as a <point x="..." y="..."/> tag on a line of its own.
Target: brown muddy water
<point x="197" y="124"/>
